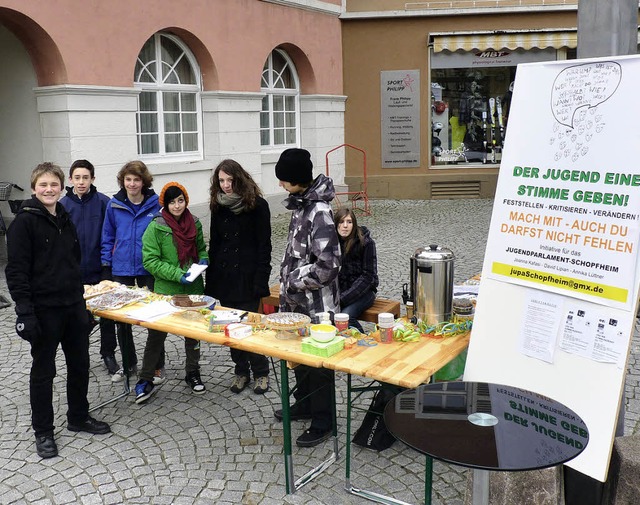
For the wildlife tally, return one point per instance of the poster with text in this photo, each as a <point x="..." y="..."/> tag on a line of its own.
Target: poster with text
<point x="567" y="207"/>
<point x="400" y="118"/>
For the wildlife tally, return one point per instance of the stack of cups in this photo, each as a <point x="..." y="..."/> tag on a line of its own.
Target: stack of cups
<point x="342" y="321"/>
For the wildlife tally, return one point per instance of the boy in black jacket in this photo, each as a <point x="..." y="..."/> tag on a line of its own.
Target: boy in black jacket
<point x="45" y="282"/>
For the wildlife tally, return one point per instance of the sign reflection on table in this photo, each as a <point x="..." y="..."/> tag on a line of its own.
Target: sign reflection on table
<point x="491" y="426"/>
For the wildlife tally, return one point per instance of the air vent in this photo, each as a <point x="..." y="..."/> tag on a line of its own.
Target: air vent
<point x="455" y="190"/>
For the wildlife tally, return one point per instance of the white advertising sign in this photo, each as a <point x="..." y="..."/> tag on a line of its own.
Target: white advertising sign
<point x="566" y="217"/>
<point x="400" y="118"/>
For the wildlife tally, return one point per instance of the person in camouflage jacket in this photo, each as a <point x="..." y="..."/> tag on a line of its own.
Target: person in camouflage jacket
<point x="309" y="280"/>
<point x="309" y="269"/>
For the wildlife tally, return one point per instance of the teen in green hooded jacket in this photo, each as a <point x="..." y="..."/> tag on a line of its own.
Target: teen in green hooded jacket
<point x="172" y="242"/>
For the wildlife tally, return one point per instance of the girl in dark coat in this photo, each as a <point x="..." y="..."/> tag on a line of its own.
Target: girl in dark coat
<point x="358" y="277"/>
<point x="240" y="258"/>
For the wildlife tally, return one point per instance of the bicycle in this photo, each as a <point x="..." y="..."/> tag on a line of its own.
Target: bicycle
<point x="5" y="194"/>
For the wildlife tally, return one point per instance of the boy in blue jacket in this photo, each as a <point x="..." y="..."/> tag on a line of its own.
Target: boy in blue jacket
<point x="86" y="207"/>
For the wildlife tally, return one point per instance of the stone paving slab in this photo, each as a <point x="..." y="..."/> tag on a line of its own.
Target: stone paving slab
<point x="219" y="447"/>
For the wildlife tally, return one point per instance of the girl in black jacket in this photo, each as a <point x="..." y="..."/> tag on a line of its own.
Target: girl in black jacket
<point x="358" y="277"/>
<point x="240" y="258"/>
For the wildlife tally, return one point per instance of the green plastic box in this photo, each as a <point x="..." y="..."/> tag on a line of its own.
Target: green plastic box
<point x="324" y="349"/>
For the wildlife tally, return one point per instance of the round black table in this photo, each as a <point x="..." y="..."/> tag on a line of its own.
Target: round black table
<point x="486" y="426"/>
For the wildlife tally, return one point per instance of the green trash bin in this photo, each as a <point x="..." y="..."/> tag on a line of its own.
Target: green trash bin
<point x="452" y="370"/>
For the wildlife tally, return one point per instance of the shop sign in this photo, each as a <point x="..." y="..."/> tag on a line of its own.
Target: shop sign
<point x="400" y="118"/>
<point x="490" y="58"/>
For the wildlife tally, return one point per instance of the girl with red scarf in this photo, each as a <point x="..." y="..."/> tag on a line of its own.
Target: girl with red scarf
<point x="172" y="242"/>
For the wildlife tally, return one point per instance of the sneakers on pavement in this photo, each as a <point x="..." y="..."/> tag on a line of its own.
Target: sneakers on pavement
<point x="144" y="390"/>
<point x="261" y="385"/>
<point x="239" y="383"/>
<point x="111" y="364"/>
<point x="119" y="375"/>
<point x="159" y="376"/>
<point x="90" y="425"/>
<point x="46" y="446"/>
<point x="312" y="437"/>
<point x="195" y="383"/>
<point x="295" y="413"/>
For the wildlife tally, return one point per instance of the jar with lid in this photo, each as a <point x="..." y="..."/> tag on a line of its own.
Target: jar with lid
<point x="463" y="310"/>
<point x="342" y="321"/>
<point x="385" y="325"/>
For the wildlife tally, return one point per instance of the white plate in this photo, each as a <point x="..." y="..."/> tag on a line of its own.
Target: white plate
<point x="208" y="302"/>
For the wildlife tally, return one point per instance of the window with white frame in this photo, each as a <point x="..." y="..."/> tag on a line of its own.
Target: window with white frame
<point x="279" y="117"/>
<point x="168" y="118"/>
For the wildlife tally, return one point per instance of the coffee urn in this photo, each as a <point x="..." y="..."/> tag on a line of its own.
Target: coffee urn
<point x="432" y="283"/>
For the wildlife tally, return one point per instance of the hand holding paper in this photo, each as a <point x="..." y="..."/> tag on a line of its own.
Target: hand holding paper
<point x="194" y="271"/>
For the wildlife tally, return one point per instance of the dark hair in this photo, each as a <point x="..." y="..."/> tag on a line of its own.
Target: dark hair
<point x="170" y="194"/>
<point x="243" y="184"/>
<point x="136" y="168"/>
<point x="355" y="239"/>
<point x="82" y="164"/>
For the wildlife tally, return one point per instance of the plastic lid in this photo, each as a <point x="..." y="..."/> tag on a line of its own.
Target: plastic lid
<point x="341" y="317"/>
<point x="386" y="318"/>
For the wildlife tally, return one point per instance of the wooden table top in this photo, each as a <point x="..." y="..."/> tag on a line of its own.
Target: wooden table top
<point x="405" y="364"/>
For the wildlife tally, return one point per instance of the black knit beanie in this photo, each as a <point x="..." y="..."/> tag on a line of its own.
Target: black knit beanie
<point x="295" y="166"/>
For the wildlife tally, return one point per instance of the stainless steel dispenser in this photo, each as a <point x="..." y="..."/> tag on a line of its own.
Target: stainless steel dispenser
<point x="432" y="283"/>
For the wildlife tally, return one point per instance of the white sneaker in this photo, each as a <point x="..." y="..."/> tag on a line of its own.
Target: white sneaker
<point x="119" y="375"/>
<point x="159" y="376"/>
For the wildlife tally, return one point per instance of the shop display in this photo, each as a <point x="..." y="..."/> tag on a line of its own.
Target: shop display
<point x="470" y="126"/>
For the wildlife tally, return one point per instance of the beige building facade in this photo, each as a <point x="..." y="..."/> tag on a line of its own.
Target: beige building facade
<point x="464" y="55"/>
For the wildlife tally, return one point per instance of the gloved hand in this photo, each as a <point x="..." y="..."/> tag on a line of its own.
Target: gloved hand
<point x="184" y="280"/>
<point x="203" y="261"/>
<point x="106" y="274"/>
<point x="27" y="326"/>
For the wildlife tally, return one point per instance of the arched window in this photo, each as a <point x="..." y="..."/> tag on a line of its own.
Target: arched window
<point x="168" y="120"/>
<point x="279" y="118"/>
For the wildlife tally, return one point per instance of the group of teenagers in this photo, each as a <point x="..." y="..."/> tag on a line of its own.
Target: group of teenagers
<point x="56" y="244"/>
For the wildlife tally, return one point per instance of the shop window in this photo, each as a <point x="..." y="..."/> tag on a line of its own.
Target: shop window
<point x="168" y="120"/>
<point x="470" y="100"/>
<point x="279" y="117"/>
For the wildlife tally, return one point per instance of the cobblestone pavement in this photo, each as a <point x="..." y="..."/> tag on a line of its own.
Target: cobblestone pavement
<point x="220" y="447"/>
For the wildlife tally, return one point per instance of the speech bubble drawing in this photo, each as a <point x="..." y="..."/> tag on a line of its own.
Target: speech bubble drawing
<point x="587" y="85"/>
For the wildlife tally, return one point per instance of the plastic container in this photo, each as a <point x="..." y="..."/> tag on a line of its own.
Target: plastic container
<point x="342" y="321"/>
<point x="323" y="318"/>
<point x="385" y="325"/>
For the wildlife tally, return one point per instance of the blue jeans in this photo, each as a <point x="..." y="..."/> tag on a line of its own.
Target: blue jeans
<point x="357" y="308"/>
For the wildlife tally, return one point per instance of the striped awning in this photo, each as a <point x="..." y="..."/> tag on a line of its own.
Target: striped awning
<point x="504" y="40"/>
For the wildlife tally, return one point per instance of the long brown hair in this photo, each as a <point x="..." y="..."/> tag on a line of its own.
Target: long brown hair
<point x="355" y="240"/>
<point x="243" y="184"/>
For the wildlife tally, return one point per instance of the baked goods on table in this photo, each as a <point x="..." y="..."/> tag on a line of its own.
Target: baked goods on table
<point x="101" y="288"/>
<point x="193" y="302"/>
<point x="286" y="320"/>
<point x="117" y="298"/>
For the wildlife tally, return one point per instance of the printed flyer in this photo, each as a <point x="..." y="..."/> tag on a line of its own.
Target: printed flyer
<point x="566" y="216"/>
